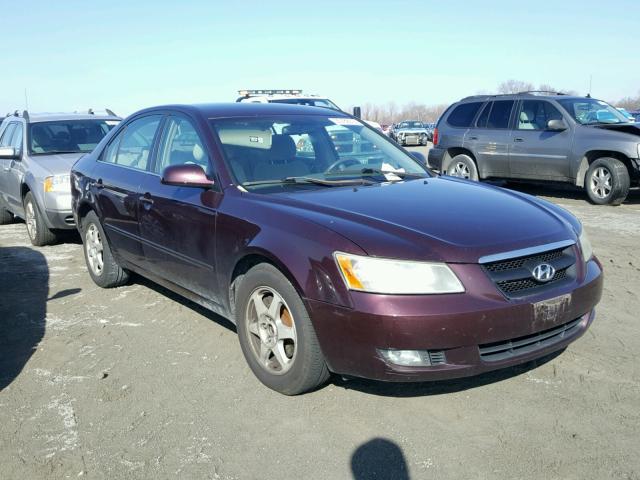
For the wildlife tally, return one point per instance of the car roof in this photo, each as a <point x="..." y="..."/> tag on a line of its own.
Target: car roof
<point x="246" y="109"/>
<point x="60" y="116"/>
<point x="518" y="96"/>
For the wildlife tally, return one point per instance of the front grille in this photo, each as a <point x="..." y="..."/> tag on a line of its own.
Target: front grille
<point x="493" y="352"/>
<point x="437" y="357"/>
<point x="514" y="276"/>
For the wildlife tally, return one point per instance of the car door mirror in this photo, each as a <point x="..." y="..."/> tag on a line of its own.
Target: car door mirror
<point x="186" y="175"/>
<point x="9" y="153"/>
<point x="557" y="125"/>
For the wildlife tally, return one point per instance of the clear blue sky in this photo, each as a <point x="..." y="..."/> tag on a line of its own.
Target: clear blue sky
<point x="127" y="55"/>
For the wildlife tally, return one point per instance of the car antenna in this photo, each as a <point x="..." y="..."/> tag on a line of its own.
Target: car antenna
<point x="110" y="112"/>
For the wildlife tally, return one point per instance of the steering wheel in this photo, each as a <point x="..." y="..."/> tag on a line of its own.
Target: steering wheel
<point x="343" y="162"/>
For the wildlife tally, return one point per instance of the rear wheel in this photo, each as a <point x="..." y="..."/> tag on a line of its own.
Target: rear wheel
<point x="276" y="334"/>
<point x="37" y="229"/>
<point x="104" y="270"/>
<point x="607" y="181"/>
<point x="463" y="166"/>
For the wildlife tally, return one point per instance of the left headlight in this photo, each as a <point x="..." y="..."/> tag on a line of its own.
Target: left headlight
<point x="389" y="276"/>
<point x="58" y="183"/>
<point x="585" y="246"/>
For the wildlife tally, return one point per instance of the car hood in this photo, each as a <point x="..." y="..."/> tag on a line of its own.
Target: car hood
<point x="438" y="219"/>
<point x="59" y="164"/>
<point x="630" y="128"/>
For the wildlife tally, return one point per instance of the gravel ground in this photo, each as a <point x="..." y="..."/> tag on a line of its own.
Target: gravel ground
<point x="135" y="383"/>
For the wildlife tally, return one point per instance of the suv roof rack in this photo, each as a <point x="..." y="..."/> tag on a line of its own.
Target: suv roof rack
<point x="109" y="112"/>
<point x="528" y="92"/>
<point x="253" y="93"/>
<point x="533" y="92"/>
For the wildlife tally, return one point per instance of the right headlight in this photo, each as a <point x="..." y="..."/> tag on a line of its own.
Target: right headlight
<point x="400" y="277"/>
<point x="585" y="246"/>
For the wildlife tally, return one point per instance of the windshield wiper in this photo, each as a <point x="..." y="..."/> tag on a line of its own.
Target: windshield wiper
<point x="315" y="181"/>
<point x="377" y="171"/>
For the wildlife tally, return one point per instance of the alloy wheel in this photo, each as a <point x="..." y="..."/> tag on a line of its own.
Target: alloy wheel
<point x="460" y="170"/>
<point x="30" y="220"/>
<point x="601" y="182"/>
<point x="272" y="331"/>
<point x="95" y="248"/>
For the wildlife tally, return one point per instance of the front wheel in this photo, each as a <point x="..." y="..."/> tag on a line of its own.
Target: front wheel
<point x="463" y="166"/>
<point x="276" y="334"/>
<point x="39" y="233"/>
<point x="607" y="181"/>
<point x="104" y="270"/>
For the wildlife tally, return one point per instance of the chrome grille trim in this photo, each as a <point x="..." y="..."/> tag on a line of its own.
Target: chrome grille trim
<point x="525" y="252"/>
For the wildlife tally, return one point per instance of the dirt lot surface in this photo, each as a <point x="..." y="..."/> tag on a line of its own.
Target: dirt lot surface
<point x="136" y="383"/>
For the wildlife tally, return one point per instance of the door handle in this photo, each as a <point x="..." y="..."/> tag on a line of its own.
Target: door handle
<point x="473" y="138"/>
<point x="518" y="139"/>
<point x="99" y="184"/>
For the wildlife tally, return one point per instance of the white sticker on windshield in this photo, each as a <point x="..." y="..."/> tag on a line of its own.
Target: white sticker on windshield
<point x="345" y="121"/>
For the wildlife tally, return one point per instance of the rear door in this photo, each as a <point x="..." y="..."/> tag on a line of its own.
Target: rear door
<point x="490" y="139"/>
<point x="5" y="163"/>
<point x="538" y="153"/>
<point x="123" y="166"/>
<point x="16" y="171"/>
<point x="178" y="223"/>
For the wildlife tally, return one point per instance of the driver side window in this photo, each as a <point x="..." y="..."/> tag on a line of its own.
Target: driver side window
<point x="132" y="147"/>
<point x="181" y="145"/>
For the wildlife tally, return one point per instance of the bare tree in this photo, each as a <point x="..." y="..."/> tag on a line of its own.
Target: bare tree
<point x="515" y="86"/>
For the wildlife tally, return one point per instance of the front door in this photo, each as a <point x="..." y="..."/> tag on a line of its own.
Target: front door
<point x="16" y="171"/>
<point x="491" y="138"/>
<point x="123" y="166"/>
<point x="5" y="163"/>
<point x="178" y="223"/>
<point x="538" y="153"/>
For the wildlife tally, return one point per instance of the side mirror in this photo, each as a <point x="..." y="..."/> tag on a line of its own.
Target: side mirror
<point x="556" y="125"/>
<point x="187" y="175"/>
<point x="9" y="153"/>
<point x="419" y="157"/>
<point x="357" y="112"/>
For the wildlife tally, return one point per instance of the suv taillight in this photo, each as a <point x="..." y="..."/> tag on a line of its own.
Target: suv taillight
<point x="435" y="136"/>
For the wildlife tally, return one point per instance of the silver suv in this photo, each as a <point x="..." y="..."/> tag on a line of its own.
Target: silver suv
<point x="533" y="136"/>
<point x="37" y="152"/>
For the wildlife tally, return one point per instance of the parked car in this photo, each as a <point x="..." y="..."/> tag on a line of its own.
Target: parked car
<point x="320" y="258"/>
<point x="36" y="154"/>
<point x="627" y="115"/>
<point x="636" y="115"/>
<point x="560" y="138"/>
<point x="411" y="132"/>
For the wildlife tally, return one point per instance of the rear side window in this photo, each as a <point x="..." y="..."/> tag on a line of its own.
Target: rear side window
<point x="7" y="135"/>
<point x="132" y="147"/>
<point x="463" y="114"/>
<point x="500" y="114"/>
<point x="484" y="116"/>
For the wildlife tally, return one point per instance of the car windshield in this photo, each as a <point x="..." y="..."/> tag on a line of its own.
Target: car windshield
<point x="311" y="102"/>
<point x="67" y="136"/>
<point x="411" y="125"/>
<point x="589" y="111"/>
<point x="310" y="151"/>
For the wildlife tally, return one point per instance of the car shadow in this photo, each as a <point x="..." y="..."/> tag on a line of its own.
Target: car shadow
<point x="379" y="458"/>
<point x="165" y="292"/>
<point x="24" y="288"/>
<point x="440" y="387"/>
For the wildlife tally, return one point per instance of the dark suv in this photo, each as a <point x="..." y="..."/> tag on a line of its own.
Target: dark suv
<point x="318" y="254"/>
<point x="549" y="137"/>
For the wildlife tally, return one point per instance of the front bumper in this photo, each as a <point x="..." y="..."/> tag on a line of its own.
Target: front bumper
<point x="460" y="326"/>
<point x="60" y="219"/>
<point x="411" y="138"/>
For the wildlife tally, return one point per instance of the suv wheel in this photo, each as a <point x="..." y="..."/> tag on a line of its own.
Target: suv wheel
<point x="607" y="181"/>
<point x="104" y="270"/>
<point x="463" y="166"/>
<point x="275" y="332"/>
<point x="37" y="229"/>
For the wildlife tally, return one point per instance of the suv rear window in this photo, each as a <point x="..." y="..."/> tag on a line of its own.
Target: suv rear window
<point x="463" y="114"/>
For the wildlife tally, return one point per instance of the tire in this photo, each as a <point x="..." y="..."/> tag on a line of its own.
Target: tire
<point x="6" y="216"/>
<point x="302" y="366"/>
<point x="37" y="229"/>
<point x="424" y="140"/>
<point x="104" y="270"/>
<point x="463" y="166"/>
<point x="607" y="181"/>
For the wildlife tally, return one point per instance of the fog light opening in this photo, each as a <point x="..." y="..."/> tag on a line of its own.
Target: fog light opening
<point x="407" y="358"/>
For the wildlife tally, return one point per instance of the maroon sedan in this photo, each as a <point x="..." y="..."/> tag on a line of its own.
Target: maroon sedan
<point x="354" y="260"/>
